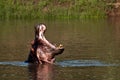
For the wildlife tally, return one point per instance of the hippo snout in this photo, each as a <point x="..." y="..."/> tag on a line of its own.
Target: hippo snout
<point x="58" y="50"/>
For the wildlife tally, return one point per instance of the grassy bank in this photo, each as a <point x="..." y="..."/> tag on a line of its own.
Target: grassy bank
<point x="51" y="9"/>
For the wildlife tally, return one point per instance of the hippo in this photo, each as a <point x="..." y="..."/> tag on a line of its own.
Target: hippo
<point x="42" y="51"/>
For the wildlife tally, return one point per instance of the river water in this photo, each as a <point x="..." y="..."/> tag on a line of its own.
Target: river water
<point x="92" y="50"/>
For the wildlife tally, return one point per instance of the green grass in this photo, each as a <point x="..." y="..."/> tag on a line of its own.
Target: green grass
<point x="51" y="9"/>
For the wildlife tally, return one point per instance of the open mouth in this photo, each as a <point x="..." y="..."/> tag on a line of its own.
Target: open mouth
<point x="42" y="50"/>
<point x="40" y="30"/>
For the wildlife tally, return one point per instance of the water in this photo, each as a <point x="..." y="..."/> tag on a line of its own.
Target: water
<point x="91" y="50"/>
<point x="84" y="63"/>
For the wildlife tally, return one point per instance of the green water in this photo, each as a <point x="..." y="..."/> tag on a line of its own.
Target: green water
<point x="97" y="40"/>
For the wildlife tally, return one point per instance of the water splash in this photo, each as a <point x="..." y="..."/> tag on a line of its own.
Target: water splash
<point x="83" y="63"/>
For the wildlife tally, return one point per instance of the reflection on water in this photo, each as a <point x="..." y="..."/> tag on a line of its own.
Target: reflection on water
<point x="41" y="72"/>
<point x="97" y="40"/>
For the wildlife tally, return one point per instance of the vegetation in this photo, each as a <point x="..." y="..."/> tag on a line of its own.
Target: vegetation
<point x="45" y="9"/>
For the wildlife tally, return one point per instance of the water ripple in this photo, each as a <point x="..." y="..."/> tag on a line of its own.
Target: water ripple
<point x="83" y="63"/>
<point x="66" y="63"/>
<point x="14" y="63"/>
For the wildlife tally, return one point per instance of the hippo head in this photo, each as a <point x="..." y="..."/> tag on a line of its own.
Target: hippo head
<point x="44" y="50"/>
